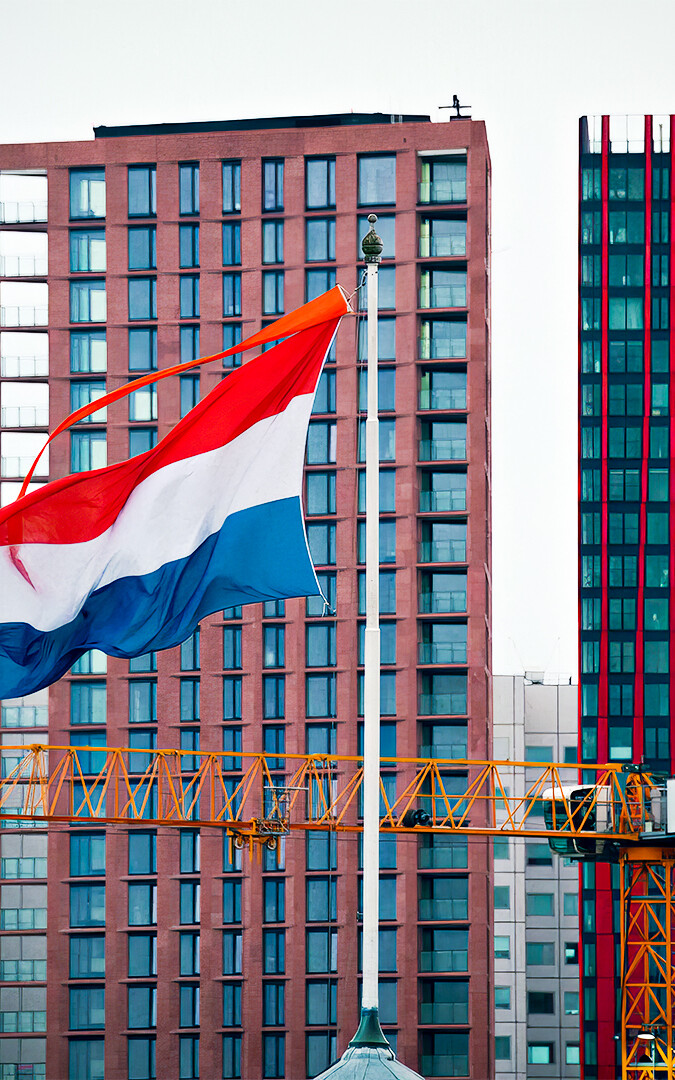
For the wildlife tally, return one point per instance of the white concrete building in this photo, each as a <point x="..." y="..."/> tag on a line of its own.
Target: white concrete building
<point x="536" y="895"/>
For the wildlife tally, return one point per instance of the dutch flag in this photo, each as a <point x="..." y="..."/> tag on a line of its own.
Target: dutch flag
<point x="129" y="558"/>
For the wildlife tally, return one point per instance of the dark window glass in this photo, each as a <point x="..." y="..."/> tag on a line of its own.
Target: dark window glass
<point x="87" y="193"/>
<point x="143" y="247"/>
<point x="142" y="350"/>
<point x="231" y="187"/>
<point x="142" y="185"/>
<point x="377" y="179"/>
<point x="142" y="298"/>
<point x="87" y="956"/>
<point x="320" y="240"/>
<point x="231" y="295"/>
<point x="188" y="245"/>
<point x="273" y="185"/>
<point x="87" y="250"/>
<point x="189" y="343"/>
<point x="188" y="180"/>
<point x="232" y="244"/>
<point x="87" y="854"/>
<point x="272" y="241"/>
<point x="189" y="393"/>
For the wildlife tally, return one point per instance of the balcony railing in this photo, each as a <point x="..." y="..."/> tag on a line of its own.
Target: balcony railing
<point x="446" y="399"/>
<point x="442" y="247"/>
<point x="451" y="551"/>
<point x="442" y="449"/>
<point x="14" y="416"/>
<point x="447" y="910"/>
<point x="437" y="1064"/>
<point x="452" y="652"/>
<point x="442" y="501"/>
<point x="443" y="296"/>
<point x="442" y="191"/>
<point x="444" y="348"/>
<point x="23" y="266"/>
<point x="23" y="970"/>
<point x="24" y="367"/>
<point x="19" y="465"/>
<point x="24" y="315"/>
<point x="13" y="213"/>
<point x="442" y="603"/>
<point x="436" y="960"/>
<point x="443" y="1012"/>
<point x="24" y="716"/>
<point x="442" y="704"/>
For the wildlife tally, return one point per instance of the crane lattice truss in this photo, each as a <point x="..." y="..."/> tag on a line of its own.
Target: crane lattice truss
<point x="258" y="798"/>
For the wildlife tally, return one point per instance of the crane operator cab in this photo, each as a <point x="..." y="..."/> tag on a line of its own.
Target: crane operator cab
<point x="599" y="809"/>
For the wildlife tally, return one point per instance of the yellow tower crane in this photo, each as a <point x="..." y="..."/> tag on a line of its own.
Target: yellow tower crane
<point x="624" y="815"/>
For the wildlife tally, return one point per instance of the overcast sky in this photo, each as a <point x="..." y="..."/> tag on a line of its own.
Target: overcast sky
<point x="529" y="68"/>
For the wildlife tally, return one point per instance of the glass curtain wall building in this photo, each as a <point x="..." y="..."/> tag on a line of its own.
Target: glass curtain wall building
<point x="164" y="953"/>
<point x="626" y="489"/>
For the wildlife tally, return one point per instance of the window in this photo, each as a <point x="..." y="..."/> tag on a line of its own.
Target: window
<point x="502" y="1047"/>
<point x="231" y="187"/>
<point x="320" y="240"/>
<point x="142" y="904"/>
<point x="88" y="703"/>
<point x="537" y="854"/>
<point x="320" y="695"/>
<point x="143" y="404"/>
<point x="387" y="592"/>
<point x="189" y="652"/>
<point x="188" y="1055"/>
<point x="143" y="247"/>
<point x="540" y="953"/>
<point x="386" y="339"/>
<point x="87" y="854"/>
<point x="188" y="953"/>
<point x="502" y="947"/>
<point x="321" y="540"/>
<point x="188" y="182"/>
<point x="232" y="647"/>
<point x="541" y="1002"/>
<point x="189" y="343"/>
<point x="232" y="901"/>
<point x="540" y="1054"/>
<point x="321" y="951"/>
<point x="320" y="493"/>
<point x="142" y="853"/>
<point x="142" y="190"/>
<point x="273" y="184"/>
<point x="272" y="242"/>
<point x="320" y="644"/>
<point x="141" y="1052"/>
<point x="88" y="351"/>
<point x="273" y="1055"/>
<point x="502" y="997"/>
<point x="571" y="900"/>
<point x="87" y="956"/>
<point x="142" y="955"/>
<point x="231" y="295"/>
<point x="539" y="904"/>
<point x="273" y="1004"/>
<point x="141" y="440"/>
<point x="143" y="701"/>
<point x="87" y="301"/>
<point x="142" y="1006"/>
<point x="87" y="193"/>
<point x="232" y="697"/>
<point x="232" y="1004"/>
<point x="320" y="183"/>
<point x="377" y="179"/>
<point x="441" y="237"/>
<point x="321" y="899"/>
<point x="189" y="902"/>
<point x="502" y="897"/>
<point x="142" y="350"/>
<point x="87" y="905"/>
<point x="273" y="292"/>
<point x="188" y="246"/>
<point x="142" y="298"/>
<point x="443" y="898"/>
<point x="189" y="393"/>
<point x="444" y="950"/>
<point x="231" y="1056"/>
<point x="386" y="296"/>
<point x="87" y="250"/>
<point x="321" y="440"/>
<point x="85" y="1059"/>
<point x="443" y="179"/>
<point x="274" y="952"/>
<point x="273" y="646"/>
<point x="189" y="296"/>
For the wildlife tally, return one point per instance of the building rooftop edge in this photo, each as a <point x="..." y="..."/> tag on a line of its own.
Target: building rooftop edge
<point x="104" y="131"/>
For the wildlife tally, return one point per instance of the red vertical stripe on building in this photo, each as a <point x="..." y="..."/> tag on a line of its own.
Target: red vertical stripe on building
<point x="638" y="710"/>
<point x="604" y="323"/>
<point x="671" y="474"/>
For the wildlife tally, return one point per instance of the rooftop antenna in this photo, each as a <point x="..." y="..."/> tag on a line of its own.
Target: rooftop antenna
<point x="457" y="107"/>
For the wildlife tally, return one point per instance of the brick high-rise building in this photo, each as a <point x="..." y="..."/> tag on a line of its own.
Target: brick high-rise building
<point x="160" y="957"/>
<point x="626" y="486"/>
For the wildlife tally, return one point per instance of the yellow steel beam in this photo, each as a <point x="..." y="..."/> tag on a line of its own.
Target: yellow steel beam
<point x="238" y="791"/>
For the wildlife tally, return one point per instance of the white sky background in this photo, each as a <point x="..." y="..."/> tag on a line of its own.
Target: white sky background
<point x="529" y="68"/>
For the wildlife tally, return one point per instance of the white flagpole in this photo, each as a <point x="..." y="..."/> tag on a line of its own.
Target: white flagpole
<point x="372" y="248"/>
